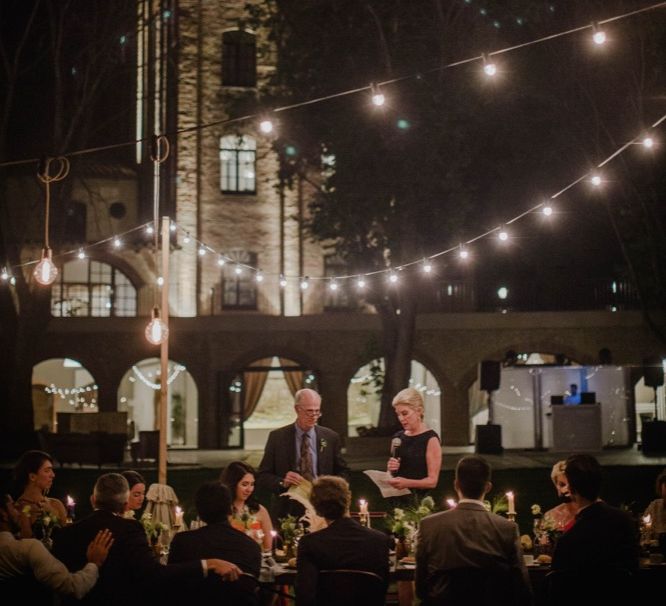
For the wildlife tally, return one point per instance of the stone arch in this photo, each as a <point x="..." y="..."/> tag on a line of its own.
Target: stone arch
<point x="61" y="385"/>
<point x="138" y="395"/>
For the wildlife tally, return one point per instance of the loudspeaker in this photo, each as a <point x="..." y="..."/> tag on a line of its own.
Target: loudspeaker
<point x="653" y="372"/>
<point x="489" y="375"/>
<point x="653" y="435"/>
<point x="489" y="439"/>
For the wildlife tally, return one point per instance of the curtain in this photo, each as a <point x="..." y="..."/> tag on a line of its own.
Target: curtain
<point x="294" y="378"/>
<point x="253" y="386"/>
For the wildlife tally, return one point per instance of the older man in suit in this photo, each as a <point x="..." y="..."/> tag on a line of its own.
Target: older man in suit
<point x="468" y="555"/>
<point x="300" y="451"/>
<point x="343" y="544"/>
<point x="131" y="575"/>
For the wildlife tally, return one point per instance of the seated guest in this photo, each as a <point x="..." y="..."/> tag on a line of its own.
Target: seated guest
<point x="602" y="536"/>
<point x="33" y="478"/>
<point x="564" y="514"/>
<point x="29" y="560"/>
<point x="131" y="575"/>
<point x="467" y="555"/>
<point x="343" y="544"/>
<point x="657" y="509"/>
<point x="218" y="538"/>
<point x="137" y="494"/>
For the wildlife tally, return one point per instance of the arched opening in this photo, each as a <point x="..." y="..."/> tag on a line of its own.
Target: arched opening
<point x="61" y="385"/>
<point x="139" y="396"/>
<point x="262" y="395"/>
<point x="364" y="396"/>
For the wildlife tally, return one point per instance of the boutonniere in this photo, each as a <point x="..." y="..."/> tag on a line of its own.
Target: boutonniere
<point x="322" y="445"/>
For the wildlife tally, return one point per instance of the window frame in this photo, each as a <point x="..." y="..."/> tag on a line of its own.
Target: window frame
<point x="228" y="275"/>
<point x="239" y="59"/>
<point x="237" y="153"/>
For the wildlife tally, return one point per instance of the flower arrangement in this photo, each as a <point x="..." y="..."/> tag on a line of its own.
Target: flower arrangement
<point x="546" y="530"/>
<point x="290" y="529"/>
<point x="322" y="444"/>
<point x="404" y="523"/>
<point x="152" y="528"/>
<point x="43" y="525"/>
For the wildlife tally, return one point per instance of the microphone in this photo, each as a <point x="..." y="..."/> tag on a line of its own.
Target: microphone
<point x="395" y="445"/>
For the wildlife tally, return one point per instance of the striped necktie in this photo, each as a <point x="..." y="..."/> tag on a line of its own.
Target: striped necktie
<point x="306" y="458"/>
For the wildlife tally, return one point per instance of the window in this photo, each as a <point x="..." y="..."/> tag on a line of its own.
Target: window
<point x="238" y="155"/>
<point x="341" y="297"/>
<point x="239" y="290"/>
<point x="239" y="63"/>
<point x="92" y="288"/>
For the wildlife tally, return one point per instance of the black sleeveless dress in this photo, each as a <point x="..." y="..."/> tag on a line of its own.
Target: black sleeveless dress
<point x="413" y="463"/>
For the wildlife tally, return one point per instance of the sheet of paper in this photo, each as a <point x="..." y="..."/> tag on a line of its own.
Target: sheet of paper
<point x="381" y="479"/>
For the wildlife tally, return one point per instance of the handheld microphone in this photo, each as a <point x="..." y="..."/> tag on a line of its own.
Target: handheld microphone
<point x="395" y="445"/>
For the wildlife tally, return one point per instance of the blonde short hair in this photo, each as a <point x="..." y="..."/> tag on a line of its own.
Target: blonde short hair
<point x="412" y="398"/>
<point x="558" y="469"/>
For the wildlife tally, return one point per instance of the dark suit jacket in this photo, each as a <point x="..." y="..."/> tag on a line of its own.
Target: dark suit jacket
<point x="131" y="574"/>
<point x="215" y="541"/>
<point x="280" y="457"/>
<point x="601" y="537"/>
<point x="344" y="544"/>
<point x="453" y="545"/>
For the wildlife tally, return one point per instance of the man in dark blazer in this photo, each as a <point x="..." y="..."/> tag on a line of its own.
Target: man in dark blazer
<point x="131" y="575"/>
<point x="281" y="465"/>
<point x="467" y="555"/>
<point x="217" y="539"/>
<point x="343" y="544"/>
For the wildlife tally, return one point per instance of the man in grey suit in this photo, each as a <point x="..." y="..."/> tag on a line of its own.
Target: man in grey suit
<point x="468" y="555"/>
<point x="300" y="451"/>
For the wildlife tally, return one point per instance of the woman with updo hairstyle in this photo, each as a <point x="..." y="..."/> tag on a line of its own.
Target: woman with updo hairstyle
<point x="247" y="515"/>
<point x="563" y="514"/>
<point x="418" y="450"/>
<point x="33" y="477"/>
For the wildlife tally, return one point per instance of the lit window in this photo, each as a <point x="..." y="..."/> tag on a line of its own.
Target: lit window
<point x="92" y="288"/>
<point x="239" y="290"/>
<point x="238" y="164"/>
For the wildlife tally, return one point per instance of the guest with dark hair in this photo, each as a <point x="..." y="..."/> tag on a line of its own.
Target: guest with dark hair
<point x="657" y="509"/>
<point x="343" y="544"/>
<point x="247" y="514"/>
<point x="137" y="493"/>
<point x="602" y="536"/>
<point x="33" y="478"/>
<point x="131" y="574"/>
<point x="467" y="555"/>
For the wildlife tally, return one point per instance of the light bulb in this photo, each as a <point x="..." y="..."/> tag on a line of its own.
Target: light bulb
<point x="393" y="278"/>
<point x="595" y="180"/>
<point x="599" y="37"/>
<point x="378" y="99"/>
<point x="503" y="292"/>
<point x="156" y="331"/>
<point x="547" y="210"/>
<point x="361" y="283"/>
<point x="305" y="282"/>
<point x="186" y="239"/>
<point x="503" y="235"/>
<point x="149" y="230"/>
<point x="238" y="270"/>
<point x="5" y="274"/>
<point x="333" y="285"/>
<point x="81" y="255"/>
<point x="221" y="261"/>
<point x="266" y="126"/>
<point x="648" y="142"/>
<point x="489" y="68"/>
<point x="464" y="253"/>
<point x="201" y="251"/>
<point x="172" y="226"/>
<point x="283" y="281"/>
<point x="117" y="242"/>
<point x="46" y="272"/>
<point x="259" y="277"/>
<point x="160" y="281"/>
<point x="427" y="267"/>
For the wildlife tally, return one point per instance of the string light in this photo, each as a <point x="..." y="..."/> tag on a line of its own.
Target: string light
<point x="333" y="285"/>
<point x="360" y="283"/>
<point x="172" y="227"/>
<point x="156" y="331"/>
<point x="305" y="282"/>
<point x="238" y="270"/>
<point x="378" y="98"/>
<point x="266" y="126"/>
<point x="283" y="281"/>
<point x="117" y="242"/>
<point x="46" y="272"/>
<point x="160" y="281"/>
<point x="502" y="234"/>
<point x="463" y="253"/>
<point x="595" y="180"/>
<point x="186" y="239"/>
<point x="393" y="277"/>
<point x="81" y="255"/>
<point x="489" y="68"/>
<point x="178" y="368"/>
<point x="547" y="210"/>
<point x="201" y="251"/>
<point x="12" y="281"/>
<point x="648" y="142"/>
<point x="598" y="35"/>
<point x="150" y="230"/>
<point x="5" y="274"/>
<point x="259" y="277"/>
<point x="427" y="266"/>
<point x="221" y="261"/>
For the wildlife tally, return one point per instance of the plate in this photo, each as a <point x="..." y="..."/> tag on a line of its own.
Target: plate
<point x="407" y="566"/>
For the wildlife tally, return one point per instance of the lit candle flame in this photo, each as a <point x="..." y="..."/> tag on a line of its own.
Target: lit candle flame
<point x="70" y="502"/>
<point x="451" y="503"/>
<point x="647" y="520"/>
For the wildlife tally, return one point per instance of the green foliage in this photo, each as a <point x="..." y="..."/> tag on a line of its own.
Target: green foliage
<point x="404" y="522"/>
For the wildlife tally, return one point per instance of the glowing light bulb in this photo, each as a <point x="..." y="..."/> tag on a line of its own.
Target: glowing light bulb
<point x="283" y="281"/>
<point x="547" y="210"/>
<point x="503" y="292"/>
<point x="117" y="243"/>
<point x="259" y="277"/>
<point x="464" y="253"/>
<point x="599" y="37"/>
<point x="378" y="99"/>
<point x="201" y="251"/>
<point x="160" y="281"/>
<point x="186" y="239"/>
<point x="393" y="278"/>
<point x="305" y="282"/>
<point x="648" y="142"/>
<point x="503" y="235"/>
<point x="238" y="270"/>
<point x="266" y="126"/>
<point x="81" y="255"/>
<point x="489" y="68"/>
<point x="595" y="180"/>
<point x="5" y="274"/>
<point x="333" y="285"/>
<point x="427" y="267"/>
<point x="221" y="261"/>
<point x="156" y="331"/>
<point x="361" y="283"/>
<point x="149" y="230"/>
<point x="172" y="226"/>
<point x="46" y="272"/>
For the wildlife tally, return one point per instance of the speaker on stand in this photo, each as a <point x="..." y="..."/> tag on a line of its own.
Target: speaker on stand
<point x="653" y="433"/>
<point x="488" y="437"/>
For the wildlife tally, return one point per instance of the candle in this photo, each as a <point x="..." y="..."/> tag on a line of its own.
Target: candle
<point x="71" y="503"/>
<point x="179" y="517"/>
<point x="451" y="503"/>
<point x="511" y="502"/>
<point x="647" y="521"/>
<point x="363" y="507"/>
<point x="273" y="542"/>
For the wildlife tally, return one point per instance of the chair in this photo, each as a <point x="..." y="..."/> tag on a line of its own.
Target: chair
<point x="499" y="586"/>
<point x="350" y="587"/>
<point x="608" y="586"/>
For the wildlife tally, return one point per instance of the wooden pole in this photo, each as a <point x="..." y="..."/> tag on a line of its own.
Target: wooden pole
<point x="164" y="356"/>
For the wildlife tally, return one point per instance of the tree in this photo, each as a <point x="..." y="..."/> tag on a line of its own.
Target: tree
<point x="445" y="158"/>
<point x="61" y="67"/>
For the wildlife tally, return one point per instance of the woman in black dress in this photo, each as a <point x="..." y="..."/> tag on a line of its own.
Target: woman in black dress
<point x="418" y="458"/>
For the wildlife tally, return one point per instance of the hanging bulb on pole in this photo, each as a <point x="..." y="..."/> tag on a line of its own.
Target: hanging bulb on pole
<point x="598" y="35"/>
<point x="489" y="68"/>
<point x="157" y="331"/>
<point x="377" y="96"/>
<point x="46" y="272"/>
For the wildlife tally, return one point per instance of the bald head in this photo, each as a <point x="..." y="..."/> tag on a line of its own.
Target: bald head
<point x="307" y="404"/>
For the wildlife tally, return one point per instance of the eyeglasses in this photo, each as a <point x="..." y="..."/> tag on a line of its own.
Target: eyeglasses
<point x="310" y="413"/>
